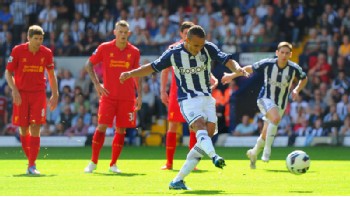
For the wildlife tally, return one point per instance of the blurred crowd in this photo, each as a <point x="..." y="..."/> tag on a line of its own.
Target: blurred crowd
<point x="77" y="27"/>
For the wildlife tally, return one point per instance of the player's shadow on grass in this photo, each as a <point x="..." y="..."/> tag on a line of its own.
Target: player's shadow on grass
<point x="278" y="171"/>
<point x="302" y="192"/>
<point x="204" y="192"/>
<point x="34" y="175"/>
<point x="115" y="174"/>
<point x="284" y="171"/>
<point x="193" y="171"/>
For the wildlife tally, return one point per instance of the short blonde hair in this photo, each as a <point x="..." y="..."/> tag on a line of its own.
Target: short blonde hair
<point x="285" y="44"/>
<point x="121" y="23"/>
<point x="35" y="30"/>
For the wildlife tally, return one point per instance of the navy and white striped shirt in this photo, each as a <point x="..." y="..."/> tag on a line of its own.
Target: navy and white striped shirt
<point x="192" y="73"/>
<point x="277" y="81"/>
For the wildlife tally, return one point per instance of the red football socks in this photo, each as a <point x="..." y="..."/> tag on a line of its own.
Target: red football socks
<point x="170" y="147"/>
<point x="97" y="144"/>
<point x="193" y="140"/>
<point x="34" y="143"/>
<point x="117" y="147"/>
<point x="25" y="144"/>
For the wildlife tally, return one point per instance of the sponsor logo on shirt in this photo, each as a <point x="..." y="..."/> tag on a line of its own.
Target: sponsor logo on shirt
<point x="121" y="64"/>
<point x="33" y="69"/>
<point x="278" y="84"/>
<point x="192" y="70"/>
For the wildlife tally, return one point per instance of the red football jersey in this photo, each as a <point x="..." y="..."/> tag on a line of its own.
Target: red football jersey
<point x="114" y="62"/>
<point x="30" y="68"/>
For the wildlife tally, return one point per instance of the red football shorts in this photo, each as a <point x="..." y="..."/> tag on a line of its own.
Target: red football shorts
<point x="32" y="109"/>
<point x="174" y="113"/>
<point x="122" y="110"/>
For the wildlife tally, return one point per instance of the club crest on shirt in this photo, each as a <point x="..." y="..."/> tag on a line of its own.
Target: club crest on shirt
<point x="191" y="114"/>
<point x="202" y="58"/>
<point x="287" y="77"/>
<point x="111" y="55"/>
<point x="10" y="59"/>
<point x="42" y="60"/>
<point x="129" y="56"/>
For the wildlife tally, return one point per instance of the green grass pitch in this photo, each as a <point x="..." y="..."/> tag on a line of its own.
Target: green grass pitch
<point x="62" y="173"/>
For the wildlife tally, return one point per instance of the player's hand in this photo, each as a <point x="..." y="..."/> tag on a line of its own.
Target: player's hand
<point x="227" y="78"/>
<point x="53" y="102"/>
<point x="124" y="76"/>
<point x="242" y="72"/>
<point x="295" y="95"/>
<point x="138" y="103"/>
<point x="214" y="82"/>
<point x="165" y="98"/>
<point x="17" y="99"/>
<point x="101" y="90"/>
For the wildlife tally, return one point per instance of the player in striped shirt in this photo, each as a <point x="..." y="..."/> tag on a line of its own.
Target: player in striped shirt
<point x="279" y="74"/>
<point x="191" y="61"/>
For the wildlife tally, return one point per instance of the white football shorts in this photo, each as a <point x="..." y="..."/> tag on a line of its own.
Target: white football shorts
<point x="200" y="106"/>
<point x="266" y="104"/>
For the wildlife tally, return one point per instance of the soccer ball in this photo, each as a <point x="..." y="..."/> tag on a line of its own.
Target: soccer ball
<point x="298" y="162"/>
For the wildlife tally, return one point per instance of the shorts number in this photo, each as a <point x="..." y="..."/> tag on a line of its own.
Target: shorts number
<point x="131" y="117"/>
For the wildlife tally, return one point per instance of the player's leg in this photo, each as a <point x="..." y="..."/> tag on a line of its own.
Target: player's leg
<point x="126" y="118"/>
<point x="192" y="159"/>
<point x="37" y="117"/>
<point x="20" y="117"/>
<point x="106" y="113"/>
<point x="170" y="145"/>
<point x="34" y="144"/>
<point x="255" y="151"/>
<point x="117" y="147"/>
<point x="193" y="139"/>
<point x="274" y="118"/>
<point x="24" y="136"/>
<point x="96" y="146"/>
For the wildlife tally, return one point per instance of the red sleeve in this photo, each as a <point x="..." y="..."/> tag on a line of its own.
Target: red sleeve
<point x="137" y="59"/>
<point x="50" y="61"/>
<point x="96" y="56"/>
<point x="12" y="62"/>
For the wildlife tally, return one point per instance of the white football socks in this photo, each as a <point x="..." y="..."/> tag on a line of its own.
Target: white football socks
<point x="270" y="136"/>
<point x="204" y="142"/>
<point x="260" y="143"/>
<point x="193" y="158"/>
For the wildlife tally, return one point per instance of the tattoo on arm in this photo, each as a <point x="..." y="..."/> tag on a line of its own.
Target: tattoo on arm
<point x="89" y="68"/>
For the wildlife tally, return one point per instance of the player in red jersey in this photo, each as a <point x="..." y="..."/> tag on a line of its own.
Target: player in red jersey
<point x="175" y="117"/>
<point x="116" y="99"/>
<point x="25" y="76"/>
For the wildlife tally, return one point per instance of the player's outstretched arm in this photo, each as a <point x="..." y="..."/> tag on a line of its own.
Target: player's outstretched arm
<point x="139" y="72"/>
<point x="228" y="77"/>
<point x="235" y="67"/>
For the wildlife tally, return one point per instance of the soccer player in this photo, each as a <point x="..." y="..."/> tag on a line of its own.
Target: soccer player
<point x="191" y="61"/>
<point x="25" y="75"/>
<point x="175" y="117"/>
<point x="279" y="74"/>
<point x="116" y="99"/>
